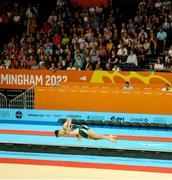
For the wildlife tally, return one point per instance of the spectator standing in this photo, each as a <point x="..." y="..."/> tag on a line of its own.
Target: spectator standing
<point x="161" y="37"/>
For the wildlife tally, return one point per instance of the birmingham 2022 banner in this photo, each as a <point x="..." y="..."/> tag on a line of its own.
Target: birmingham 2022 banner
<point x="24" y="79"/>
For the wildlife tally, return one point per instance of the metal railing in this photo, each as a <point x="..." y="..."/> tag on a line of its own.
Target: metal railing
<point x="24" y="100"/>
<point x="3" y="101"/>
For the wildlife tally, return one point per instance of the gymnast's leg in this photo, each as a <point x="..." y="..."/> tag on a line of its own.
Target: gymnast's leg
<point x="94" y="136"/>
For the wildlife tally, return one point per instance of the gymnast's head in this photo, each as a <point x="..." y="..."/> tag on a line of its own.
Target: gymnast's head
<point x="59" y="132"/>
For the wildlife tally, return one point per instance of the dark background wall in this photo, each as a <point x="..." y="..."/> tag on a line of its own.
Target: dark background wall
<point x="127" y="7"/>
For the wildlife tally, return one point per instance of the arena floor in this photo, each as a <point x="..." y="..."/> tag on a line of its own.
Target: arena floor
<point x="19" y="171"/>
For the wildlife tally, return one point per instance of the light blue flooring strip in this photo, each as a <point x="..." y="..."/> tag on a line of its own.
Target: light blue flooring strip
<point x="119" y="131"/>
<point x="31" y="139"/>
<point x="90" y="159"/>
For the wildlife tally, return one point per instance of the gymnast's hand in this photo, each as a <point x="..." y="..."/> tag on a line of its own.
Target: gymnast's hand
<point x="78" y="138"/>
<point x="67" y="132"/>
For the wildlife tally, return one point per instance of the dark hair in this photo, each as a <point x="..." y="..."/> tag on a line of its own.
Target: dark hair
<point x="127" y="82"/>
<point x="56" y="133"/>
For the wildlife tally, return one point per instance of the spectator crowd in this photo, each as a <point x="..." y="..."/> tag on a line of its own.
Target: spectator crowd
<point x="95" y="38"/>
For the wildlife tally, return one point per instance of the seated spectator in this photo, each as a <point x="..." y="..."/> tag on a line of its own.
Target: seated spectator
<point x="93" y="56"/>
<point x="16" y="18"/>
<point x="146" y="46"/>
<point x="170" y="51"/>
<point x="34" y="65"/>
<point x="132" y="58"/>
<point x="142" y="36"/>
<point x="65" y="39"/>
<point x="53" y="66"/>
<point x="57" y="39"/>
<point x="158" y="4"/>
<point x="4" y="18"/>
<point x="24" y="65"/>
<point x="52" y="18"/>
<point x="113" y="60"/>
<point x="46" y="28"/>
<point x="166" y="25"/>
<point x="42" y="65"/>
<point x="151" y="68"/>
<point x="128" y="86"/>
<point x="142" y="60"/>
<point x="86" y="63"/>
<point x="60" y="4"/>
<point x="109" y="45"/>
<point x="71" y="66"/>
<point x="168" y="62"/>
<point x="78" y="63"/>
<point x="98" y="67"/>
<point x="122" y="53"/>
<point x="159" y="66"/>
<point x="107" y="67"/>
<point x="167" y="88"/>
<point x="7" y="62"/>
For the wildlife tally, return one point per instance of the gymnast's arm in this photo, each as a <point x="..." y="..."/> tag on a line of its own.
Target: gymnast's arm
<point x="67" y="124"/>
<point x="78" y="137"/>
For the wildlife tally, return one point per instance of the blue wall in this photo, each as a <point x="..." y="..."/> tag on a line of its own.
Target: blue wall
<point x="52" y="115"/>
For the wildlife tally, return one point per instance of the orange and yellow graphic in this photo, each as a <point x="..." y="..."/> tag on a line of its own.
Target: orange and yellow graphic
<point x="134" y="77"/>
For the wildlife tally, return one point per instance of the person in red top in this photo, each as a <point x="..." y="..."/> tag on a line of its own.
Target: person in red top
<point x="5" y="18"/>
<point x="57" y="39"/>
<point x="46" y="28"/>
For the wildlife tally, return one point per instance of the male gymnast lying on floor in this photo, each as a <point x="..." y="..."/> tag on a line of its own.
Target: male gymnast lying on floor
<point x="81" y="131"/>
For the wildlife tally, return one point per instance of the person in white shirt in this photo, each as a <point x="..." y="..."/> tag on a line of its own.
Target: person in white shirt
<point x="170" y="51"/>
<point x="122" y="51"/>
<point x="167" y="88"/>
<point x="71" y="67"/>
<point x="158" y="66"/>
<point x="132" y="58"/>
<point x="128" y="86"/>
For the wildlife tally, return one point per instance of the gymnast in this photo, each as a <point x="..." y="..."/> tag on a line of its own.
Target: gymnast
<point x="81" y="131"/>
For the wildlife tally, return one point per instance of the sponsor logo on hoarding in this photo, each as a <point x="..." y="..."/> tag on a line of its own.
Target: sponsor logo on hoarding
<point x="159" y="120"/>
<point x="119" y="119"/>
<point x="139" y="120"/>
<point x="75" y="116"/>
<point x="45" y="115"/>
<point x="57" y="115"/>
<point x="95" y="117"/>
<point x="36" y="115"/>
<point x="19" y="115"/>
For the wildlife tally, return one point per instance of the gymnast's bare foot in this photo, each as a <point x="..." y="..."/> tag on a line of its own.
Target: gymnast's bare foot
<point x="112" y="138"/>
